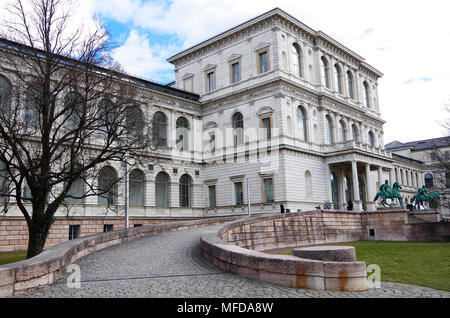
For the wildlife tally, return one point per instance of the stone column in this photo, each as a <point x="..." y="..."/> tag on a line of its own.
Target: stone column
<point x="328" y="183"/>
<point x="391" y="180"/>
<point x="369" y="203"/>
<point x="380" y="175"/>
<point x="342" y="199"/>
<point x="357" y="202"/>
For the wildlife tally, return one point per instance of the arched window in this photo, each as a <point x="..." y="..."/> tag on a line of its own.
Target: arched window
<point x="73" y="109"/>
<point x="135" y="121"/>
<point x="185" y="190"/>
<point x="366" y="91"/>
<point x="330" y="130"/>
<point x="338" y="78"/>
<point x="182" y="134"/>
<point x="162" y="190"/>
<point x="308" y="185"/>
<point x="297" y="60"/>
<point x="136" y="186"/>
<point x="33" y="107"/>
<point x="76" y="192"/>
<point x="355" y="134"/>
<point x="238" y="129"/>
<point x="371" y="139"/>
<point x="302" y="122"/>
<point x="108" y="118"/>
<point x="325" y="72"/>
<point x="429" y="181"/>
<point x="334" y="191"/>
<point x="316" y="133"/>
<point x="5" y="97"/>
<point x="107" y="186"/>
<point x="342" y="131"/>
<point x="160" y="129"/>
<point x="350" y="84"/>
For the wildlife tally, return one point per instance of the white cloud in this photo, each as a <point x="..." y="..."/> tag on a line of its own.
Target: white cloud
<point x="406" y="40"/>
<point x="138" y="57"/>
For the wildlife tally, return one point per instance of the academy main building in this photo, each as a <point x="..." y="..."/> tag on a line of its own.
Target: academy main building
<point x="273" y="112"/>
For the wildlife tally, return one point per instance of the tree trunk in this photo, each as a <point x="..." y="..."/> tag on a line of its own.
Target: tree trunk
<point x="38" y="230"/>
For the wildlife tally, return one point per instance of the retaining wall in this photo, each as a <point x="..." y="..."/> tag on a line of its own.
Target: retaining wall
<point x="47" y="267"/>
<point x="236" y="248"/>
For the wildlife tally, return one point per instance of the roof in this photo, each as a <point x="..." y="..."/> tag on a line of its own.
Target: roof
<point x="420" y="144"/>
<point x="167" y="89"/>
<point x="269" y="14"/>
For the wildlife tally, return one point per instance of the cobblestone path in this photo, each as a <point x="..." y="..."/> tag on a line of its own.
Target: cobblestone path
<point x="170" y="265"/>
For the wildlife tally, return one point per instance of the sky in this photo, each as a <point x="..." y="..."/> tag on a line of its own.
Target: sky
<point x="407" y="40"/>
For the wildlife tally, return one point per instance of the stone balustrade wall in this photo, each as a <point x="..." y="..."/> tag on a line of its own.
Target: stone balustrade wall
<point x="237" y="247"/>
<point x="47" y="267"/>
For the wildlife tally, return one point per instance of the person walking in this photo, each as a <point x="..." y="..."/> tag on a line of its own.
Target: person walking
<point x="282" y="208"/>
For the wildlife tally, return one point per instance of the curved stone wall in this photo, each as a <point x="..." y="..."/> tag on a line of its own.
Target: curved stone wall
<point x="236" y="247"/>
<point x="45" y="268"/>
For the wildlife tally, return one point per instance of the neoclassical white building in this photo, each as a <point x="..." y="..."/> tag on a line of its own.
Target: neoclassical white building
<point x="268" y="112"/>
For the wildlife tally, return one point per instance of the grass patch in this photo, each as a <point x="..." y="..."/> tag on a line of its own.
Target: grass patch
<point x="11" y="257"/>
<point x="416" y="263"/>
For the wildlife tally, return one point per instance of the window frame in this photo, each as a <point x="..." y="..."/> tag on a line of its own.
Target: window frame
<point x="259" y="53"/>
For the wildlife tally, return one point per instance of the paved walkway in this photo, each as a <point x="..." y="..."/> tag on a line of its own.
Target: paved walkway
<point x="170" y="265"/>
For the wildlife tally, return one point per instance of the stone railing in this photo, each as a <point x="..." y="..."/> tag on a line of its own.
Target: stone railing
<point x="47" y="267"/>
<point x="355" y="145"/>
<point x="236" y="248"/>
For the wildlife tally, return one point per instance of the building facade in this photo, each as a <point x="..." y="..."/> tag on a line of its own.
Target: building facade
<point x="432" y="157"/>
<point x="268" y="112"/>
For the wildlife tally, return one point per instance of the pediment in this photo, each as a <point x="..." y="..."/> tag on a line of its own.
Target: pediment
<point x="209" y="67"/>
<point x="187" y="75"/>
<point x="234" y="57"/>
<point x="262" y="45"/>
<point x="264" y="110"/>
<point x="210" y="124"/>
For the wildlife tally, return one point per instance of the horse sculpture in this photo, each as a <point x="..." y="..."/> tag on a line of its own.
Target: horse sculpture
<point x="387" y="193"/>
<point x="422" y="196"/>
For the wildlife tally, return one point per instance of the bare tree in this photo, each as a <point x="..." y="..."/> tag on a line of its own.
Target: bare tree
<point x="65" y="110"/>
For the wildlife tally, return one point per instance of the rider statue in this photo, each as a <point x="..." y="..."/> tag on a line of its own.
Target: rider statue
<point x="385" y="189"/>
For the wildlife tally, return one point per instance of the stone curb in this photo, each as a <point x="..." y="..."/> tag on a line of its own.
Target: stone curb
<point x="285" y="270"/>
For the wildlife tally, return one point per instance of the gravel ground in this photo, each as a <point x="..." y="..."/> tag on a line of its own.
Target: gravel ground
<point x="170" y="265"/>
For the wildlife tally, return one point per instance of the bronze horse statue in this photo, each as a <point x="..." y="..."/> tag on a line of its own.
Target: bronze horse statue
<point x="387" y="193"/>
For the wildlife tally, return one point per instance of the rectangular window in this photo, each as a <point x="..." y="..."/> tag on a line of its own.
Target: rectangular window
<point x="137" y="225"/>
<point x="238" y="193"/>
<point x="108" y="227"/>
<point x="236" y="72"/>
<point x="266" y="126"/>
<point x="212" y="196"/>
<point x="268" y="190"/>
<point x="263" y="62"/>
<point x="211" y="81"/>
<point x="74" y="232"/>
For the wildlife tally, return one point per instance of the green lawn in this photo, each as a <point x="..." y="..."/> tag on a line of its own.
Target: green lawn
<point x="422" y="264"/>
<point x="11" y="257"/>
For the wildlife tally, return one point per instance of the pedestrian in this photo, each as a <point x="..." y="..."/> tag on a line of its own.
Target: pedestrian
<point x="282" y="208"/>
<point x="349" y="205"/>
